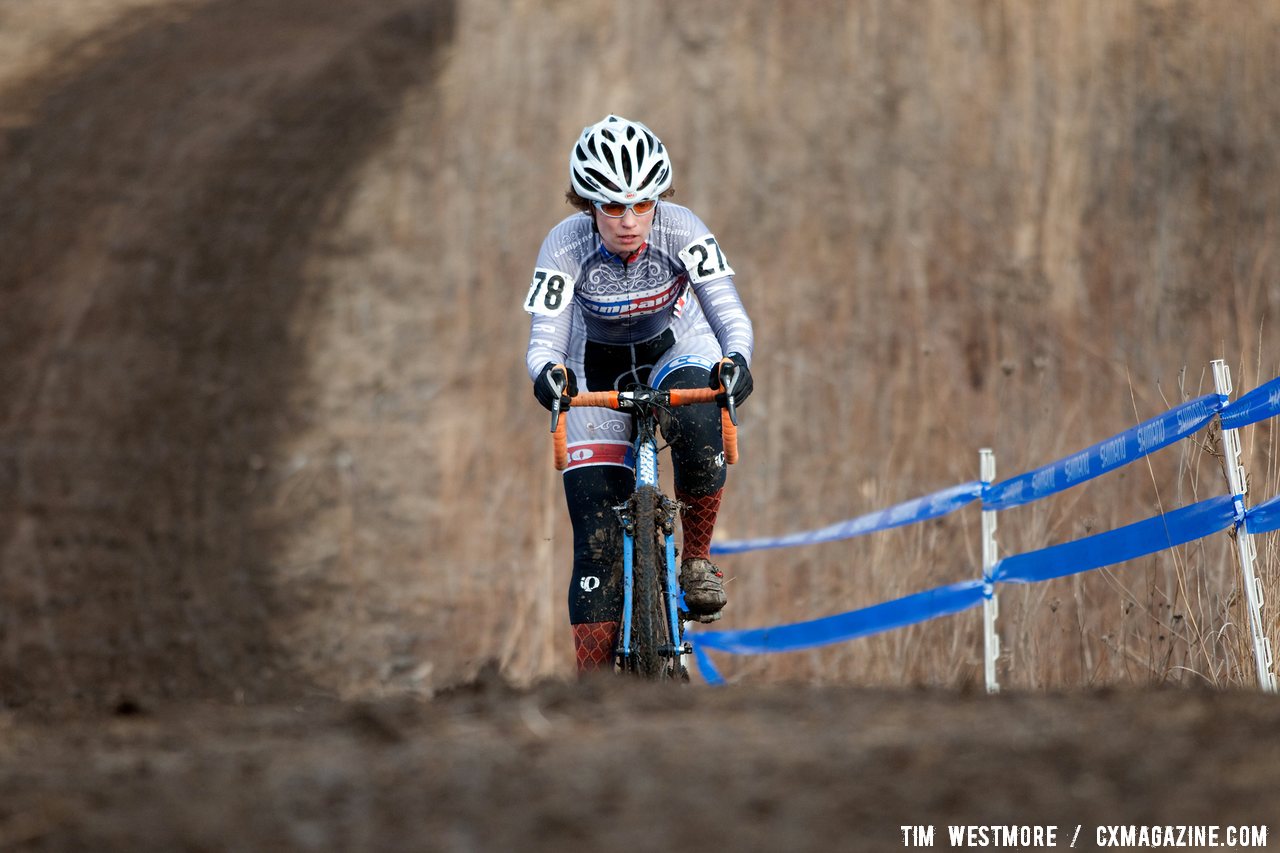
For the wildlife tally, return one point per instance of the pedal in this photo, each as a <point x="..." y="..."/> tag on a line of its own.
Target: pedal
<point x="704" y="618"/>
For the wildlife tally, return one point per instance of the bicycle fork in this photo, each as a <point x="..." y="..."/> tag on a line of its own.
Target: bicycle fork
<point x="627" y="521"/>
<point x="667" y="522"/>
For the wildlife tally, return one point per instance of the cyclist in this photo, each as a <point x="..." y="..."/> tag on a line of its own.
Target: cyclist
<point x="633" y="289"/>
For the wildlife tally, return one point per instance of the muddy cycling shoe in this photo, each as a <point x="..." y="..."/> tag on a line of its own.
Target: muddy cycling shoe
<point x="703" y="586"/>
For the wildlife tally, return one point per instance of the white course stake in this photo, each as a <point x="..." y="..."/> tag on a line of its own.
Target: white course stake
<point x="990" y="604"/>
<point x="1244" y="540"/>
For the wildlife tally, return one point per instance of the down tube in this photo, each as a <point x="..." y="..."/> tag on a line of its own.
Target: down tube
<point x="647" y="463"/>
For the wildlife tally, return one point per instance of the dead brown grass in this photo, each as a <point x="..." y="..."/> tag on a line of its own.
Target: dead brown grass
<point x="956" y="225"/>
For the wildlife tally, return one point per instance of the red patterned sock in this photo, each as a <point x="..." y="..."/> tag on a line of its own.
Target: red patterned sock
<point x="593" y="645"/>
<point x="698" y="520"/>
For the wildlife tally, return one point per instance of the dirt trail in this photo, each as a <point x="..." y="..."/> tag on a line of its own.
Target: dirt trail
<point x="165" y="197"/>
<point x="618" y="766"/>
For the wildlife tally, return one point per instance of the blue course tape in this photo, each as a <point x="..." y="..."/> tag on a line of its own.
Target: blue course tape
<point x="1115" y="546"/>
<point x="909" y="512"/>
<point x="1259" y="404"/>
<point x="1104" y="456"/>
<point x="1263" y="518"/>
<point x="843" y="626"/>
<point x="705" y="666"/>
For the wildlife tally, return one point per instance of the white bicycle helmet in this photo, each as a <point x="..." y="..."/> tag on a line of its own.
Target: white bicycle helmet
<point x="619" y="160"/>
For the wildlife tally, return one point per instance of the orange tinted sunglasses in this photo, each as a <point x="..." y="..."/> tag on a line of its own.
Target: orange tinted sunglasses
<point x="615" y="209"/>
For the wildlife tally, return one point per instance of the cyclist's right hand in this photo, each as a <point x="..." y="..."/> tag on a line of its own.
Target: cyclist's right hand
<point x="551" y="377"/>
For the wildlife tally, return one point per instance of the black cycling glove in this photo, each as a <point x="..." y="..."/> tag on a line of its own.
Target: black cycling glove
<point x="545" y="392"/>
<point x="742" y="384"/>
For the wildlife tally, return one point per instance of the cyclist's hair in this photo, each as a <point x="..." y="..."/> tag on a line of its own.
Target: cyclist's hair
<point x="584" y="205"/>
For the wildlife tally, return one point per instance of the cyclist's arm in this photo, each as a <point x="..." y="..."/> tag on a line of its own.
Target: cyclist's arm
<point x="548" y="341"/>
<point x="709" y="272"/>
<point x="549" y="298"/>
<point x="726" y="315"/>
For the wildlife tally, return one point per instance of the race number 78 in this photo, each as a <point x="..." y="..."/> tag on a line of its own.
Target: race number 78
<point x="549" y="293"/>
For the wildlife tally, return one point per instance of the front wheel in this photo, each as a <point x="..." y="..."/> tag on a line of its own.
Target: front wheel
<point x="652" y="653"/>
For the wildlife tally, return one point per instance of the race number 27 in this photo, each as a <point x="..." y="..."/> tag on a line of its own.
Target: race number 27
<point x="704" y="260"/>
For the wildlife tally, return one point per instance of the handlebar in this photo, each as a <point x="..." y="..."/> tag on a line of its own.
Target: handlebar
<point x="627" y="400"/>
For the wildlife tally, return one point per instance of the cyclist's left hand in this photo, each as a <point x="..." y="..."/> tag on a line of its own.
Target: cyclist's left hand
<point x="742" y="384"/>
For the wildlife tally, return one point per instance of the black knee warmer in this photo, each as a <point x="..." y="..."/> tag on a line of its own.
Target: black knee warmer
<point x="595" y="591"/>
<point x="697" y="447"/>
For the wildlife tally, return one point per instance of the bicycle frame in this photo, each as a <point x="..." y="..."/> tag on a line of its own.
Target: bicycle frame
<point x="644" y="402"/>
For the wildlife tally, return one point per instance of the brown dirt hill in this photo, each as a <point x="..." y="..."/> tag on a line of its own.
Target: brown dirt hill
<point x="163" y="200"/>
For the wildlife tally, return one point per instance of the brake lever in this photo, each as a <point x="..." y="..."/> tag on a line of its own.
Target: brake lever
<point x="729" y="378"/>
<point x="558" y="387"/>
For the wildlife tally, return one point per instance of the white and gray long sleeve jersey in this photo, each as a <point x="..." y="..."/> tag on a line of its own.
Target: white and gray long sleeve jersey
<point x="678" y="280"/>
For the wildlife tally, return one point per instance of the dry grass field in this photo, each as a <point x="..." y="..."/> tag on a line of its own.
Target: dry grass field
<point x="956" y="226"/>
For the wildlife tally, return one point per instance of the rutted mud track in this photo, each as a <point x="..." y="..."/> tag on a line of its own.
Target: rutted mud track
<point x="158" y="210"/>
<point x="618" y="766"/>
<point x="159" y="201"/>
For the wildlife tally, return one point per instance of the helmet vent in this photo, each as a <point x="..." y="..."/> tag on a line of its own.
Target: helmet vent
<point x="652" y="177"/>
<point x="603" y="181"/>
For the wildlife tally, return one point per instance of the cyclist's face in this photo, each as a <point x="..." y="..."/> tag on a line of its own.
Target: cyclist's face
<point x="624" y="234"/>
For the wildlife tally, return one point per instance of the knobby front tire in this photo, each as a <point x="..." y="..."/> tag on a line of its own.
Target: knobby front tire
<point x="649" y="614"/>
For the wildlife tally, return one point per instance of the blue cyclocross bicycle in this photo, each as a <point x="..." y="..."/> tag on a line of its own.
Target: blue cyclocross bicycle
<point x="651" y="637"/>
